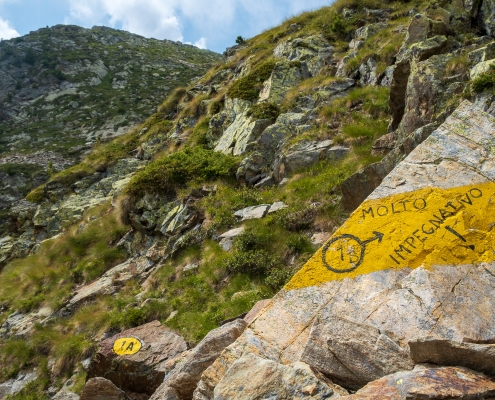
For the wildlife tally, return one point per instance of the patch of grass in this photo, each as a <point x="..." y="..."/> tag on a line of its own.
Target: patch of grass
<point x="248" y="87"/>
<point x="265" y="110"/>
<point x="187" y="166"/>
<point x="484" y="81"/>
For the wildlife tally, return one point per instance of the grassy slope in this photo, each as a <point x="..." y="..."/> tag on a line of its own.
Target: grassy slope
<point x="263" y="258"/>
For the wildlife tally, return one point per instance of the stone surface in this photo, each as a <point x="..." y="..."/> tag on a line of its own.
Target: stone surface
<point x="143" y="371"/>
<point x="401" y="268"/>
<point x="256" y="212"/>
<point x="227" y="238"/>
<point x="353" y="354"/>
<point x="478" y="357"/>
<point x="304" y="154"/>
<point x="429" y="383"/>
<point x="113" y="279"/>
<point x="66" y="395"/>
<point x="102" y="389"/>
<point x="488" y="16"/>
<point x="252" y="377"/>
<point x="182" y="381"/>
<point x="285" y="75"/>
<point x="314" y="51"/>
<point x="14" y="386"/>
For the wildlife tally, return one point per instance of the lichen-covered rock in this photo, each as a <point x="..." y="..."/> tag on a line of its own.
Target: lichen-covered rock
<point x="241" y="135"/>
<point x="252" y="377"/>
<point x="488" y="16"/>
<point x="314" y="51"/>
<point x="481" y="68"/>
<point x="285" y="76"/>
<point x="429" y="383"/>
<point x="140" y="371"/>
<point x="367" y="72"/>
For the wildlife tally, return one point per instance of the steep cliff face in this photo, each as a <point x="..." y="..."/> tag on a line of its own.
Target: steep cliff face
<point x="210" y="206"/>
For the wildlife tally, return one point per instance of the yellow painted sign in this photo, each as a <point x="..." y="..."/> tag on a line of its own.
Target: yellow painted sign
<point x="427" y="227"/>
<point x="127" y="346"/>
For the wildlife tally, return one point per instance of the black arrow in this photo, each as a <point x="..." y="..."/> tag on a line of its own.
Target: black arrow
<point x="378" y="236"/>
<point x="459" y="236"/>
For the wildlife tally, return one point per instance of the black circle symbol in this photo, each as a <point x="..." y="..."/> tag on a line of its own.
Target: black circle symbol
<point x="343" y="253"/>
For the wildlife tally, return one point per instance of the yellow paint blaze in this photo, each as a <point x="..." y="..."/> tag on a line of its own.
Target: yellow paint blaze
<point x="126" y="346"/>
<point x="424" y="228"/>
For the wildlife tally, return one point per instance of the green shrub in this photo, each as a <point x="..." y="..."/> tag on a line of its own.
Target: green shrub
<point x="264" y="110"/>
<point x="173" y="171"/>
<point x="255" y="263"/>
<point x="248" y="87"/>
<point x="484" y="81"/>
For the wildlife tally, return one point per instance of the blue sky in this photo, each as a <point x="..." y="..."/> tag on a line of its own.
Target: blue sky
<point x="212" y="24"/>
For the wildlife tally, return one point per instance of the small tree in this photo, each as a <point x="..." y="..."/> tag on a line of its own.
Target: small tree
<point x="30" y="56"/>
<point x="240" y="40"/>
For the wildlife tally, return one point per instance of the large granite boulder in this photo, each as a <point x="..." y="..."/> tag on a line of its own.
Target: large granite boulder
<point x="414" y="261"/>
<point x="137" y="359"/>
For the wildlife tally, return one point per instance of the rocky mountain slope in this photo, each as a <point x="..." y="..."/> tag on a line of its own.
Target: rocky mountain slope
<point x="147" y="270"/>
<point x="65" y="88"/>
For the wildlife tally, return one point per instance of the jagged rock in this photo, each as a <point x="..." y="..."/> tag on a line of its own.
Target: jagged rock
<point x="314" y="51"/>
<point x="256" y="212"/>
<point x="482" y="54"/>
<point x="254" y="377"/>
<point x="19" y="324"/>
<point x="341" y="69"/>
<point x="481" y="68"/>
<point x="190" y="268"/>
<point x="14" y="386"/>
<point x="102" y="389"/>
<point x="111" y="280"/>
<point x="429" y="383"/>
<point x="285" y="75"/>
<point x="142" y="371"/>
<point x="240" y="136"/>
<point x="367" y="72"/>
<point x="488" y="16"/>
<point x="384" y="144"/>
<point x="478" y="357"/>
<point x="304" y="154"/>
<point x="400" y="270"/>
<point x="353" y="354"/>
<point x="365" y="32"/>
<point x="388" y="76"/>
<point x="269" y="143"/>
<point x="182" y="381"/>
<point x="227" y="238"/>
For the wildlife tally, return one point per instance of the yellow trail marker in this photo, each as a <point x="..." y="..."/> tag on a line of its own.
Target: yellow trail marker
<point x="126" y="346"/>
<point x="427" y="227"/>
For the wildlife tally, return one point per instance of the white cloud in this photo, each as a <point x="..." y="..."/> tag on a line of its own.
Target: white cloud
<point x="215" y="21"/>
<point x="6" y="30"/>
<point x="201" y="43"/>
<point x="155" y="18"/>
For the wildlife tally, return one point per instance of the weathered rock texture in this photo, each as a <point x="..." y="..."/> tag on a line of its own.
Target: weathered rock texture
<point x="143" y="371"/>
<point x="355" y="325"/>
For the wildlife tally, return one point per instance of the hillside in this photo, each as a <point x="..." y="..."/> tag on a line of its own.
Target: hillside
<point x="210" y="206"/>
<point x="65" y="88"/>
